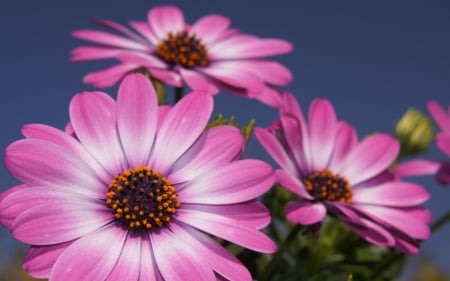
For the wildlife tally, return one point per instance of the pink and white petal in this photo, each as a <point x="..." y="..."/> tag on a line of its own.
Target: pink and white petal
<point x="322" y="132"/>
<point x="290" y="106"/>
<point x="109" y="76"/>
<point x="210" y="28"/>
<point x="370" y="157"/>
<point x="128" y="265"/>
<point x="239" y="181"/>
<point x="165" y="19"/>
<point x="114" y="26"/>
<point x="181" y="128"/>
<point x="406" y="244"/>
<point x="67" y="141"/>
<point x="248" y="47"/>
<point x="416" y="167"/>
<point x="198" y="82"/>
<point x="397" y="218"/>
<point x="297" y="138"/>
<point x="167" y="76"/>
<point x="268" y="95"/>
<point x="39" y="162"/>
<point x="187" y="261"/>
<point x="144" y="29"/>
<point x="275" y="150"/>
<point x="163" y="110"/>
<point x="93" y="117"/>
<point x="252" y="214"/>
<point x="93" y="53"/>
<point x="234" y="77"/>
<point x="443" y="143"/>
<point x="8" y="212"/>
<point x="371" y="232"/>
<point x="439" y="115"/>
<point x="141" y="59"/>
<point x="136" y="118"/>
<point x="397" y="193"/>
<point x="56" y="223"/>
<point x="212" y="253"/>
<point x="305" y="212"/>
<point x="346" y="140"/>
<point x="149" y="269"/>
<point x="344" y="210"/>
<point x="39" y="260"/>
<point x="292" y="183"/>
<point x="110" y="40"/>
<point x="230" y="230"/>
<point x="419" y="213"/>
<point x="383" y="177"/>
<point x="92" y="257"/>
<point x="203" y="155"/>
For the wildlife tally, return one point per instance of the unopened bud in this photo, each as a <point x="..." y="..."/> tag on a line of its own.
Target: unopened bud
<point x="246" y="130"/>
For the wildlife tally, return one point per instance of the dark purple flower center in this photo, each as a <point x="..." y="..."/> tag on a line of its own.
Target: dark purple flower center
<point x="182" y="49"/>
<point x="142" y="199"/>
<point x="325" y="185"/>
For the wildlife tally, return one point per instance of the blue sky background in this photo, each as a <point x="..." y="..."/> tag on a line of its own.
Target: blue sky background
<point x="372" y="59"/>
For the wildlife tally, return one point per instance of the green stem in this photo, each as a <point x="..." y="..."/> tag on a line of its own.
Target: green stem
<point x="178" y="94"/>
<point x="398" y="255"/>
<point x="278" y="256"/>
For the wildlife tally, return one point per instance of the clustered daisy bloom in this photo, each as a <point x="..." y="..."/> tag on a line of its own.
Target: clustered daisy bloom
<point x="207" y="55"/>
<point x="322" y="161"/>
<point x="135" y="192"/>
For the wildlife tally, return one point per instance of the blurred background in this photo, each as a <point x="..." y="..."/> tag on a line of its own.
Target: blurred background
<point x="372" y="59"/>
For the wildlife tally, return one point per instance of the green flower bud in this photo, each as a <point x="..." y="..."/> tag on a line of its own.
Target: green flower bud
<point x="415" y="132"/>
<point x="246" y="131"/>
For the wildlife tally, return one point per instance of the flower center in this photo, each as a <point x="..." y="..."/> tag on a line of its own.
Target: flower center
<point x="141" y="199"/>
<point x="182" y="49"/>
<point x="325" y="185"/>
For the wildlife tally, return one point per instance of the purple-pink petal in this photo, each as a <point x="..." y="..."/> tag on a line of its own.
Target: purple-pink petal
<point x="370" y="157"/>
<point x="165" y="19"/>
<point x="305" y="212"/>
<point x="149" y="269"/>
<point x="128" y="264"/>
<point x="92" y="257"/>
<point x="416" y="167"/>
<point x="346" y="140"/>
<point x="236" y="182"/>
<point x="371" y="232"/>
<point x="136" y="118"/>
<point x="292" y="183"/>
<point x="198" y="82"/>
<point x="439" y="115"/>
<point x="109" y="76"/>
<point x="93" y="53"/>
<point x="110" y="39"/>
<point x="210" y="28"/>
<point x="443" y="143"/>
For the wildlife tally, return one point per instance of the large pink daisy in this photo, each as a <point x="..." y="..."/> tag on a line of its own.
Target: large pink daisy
<point x="323" y="162"/>
<point x="135" y="194"/>
<point x="207" y="53"/>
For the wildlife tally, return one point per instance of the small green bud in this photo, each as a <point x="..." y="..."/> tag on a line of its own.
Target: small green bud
<point x="246" y="130"/>
<point x="415" y="132"/>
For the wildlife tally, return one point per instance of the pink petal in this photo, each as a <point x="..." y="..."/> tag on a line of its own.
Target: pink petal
<point x="346" y="140"/>
<point x="165" y="19"/>
<point x="109" y="76"/>
<point x="141" y="59"/>
<point x="305" y="212"/>
<point x="373" y="155"/>
<point x="128" y="265"/>
<point x="236" y="182"/>
<point x="144" y="29"/>
<point x="136" y="118"/>
<point x="181" y="128"/>
<point x="210" y="28"/>
<point x="403" y="221"/>
<point x="212" y="253"/>
<point x="406" y="244"/>
<point x="440" y="116"/>
<point x="275" y="150"/>
<point x="39" y="260"/>
<point x="149" y="269"/>
<point x="198" y="82"/>
<point x="290" y="106"/>
<point x="268" y="95"/>
<point x="443" y="143"/>
<point x="10" y="212"/>
<point x="168" y="248"/>
<point x="417" y="167"/>
<point x="93" y="116"/>
<point x="230" y="230"/>
<point x="322" y="132"/>
<point x="203" y="155"/>
<point x="42" y="163"/>
<point x="371" y="232"/>
<point x="110" y="39"/>
<point x="247" y="47"/>
<point x="169" y="77"/>
<point x="163" y="110"/>
<point x="114" y="26"/>
<point x="92" y="257"/>
<point x="392" y="194"/>
<point x="93" y="53"/>
<point x="291" y="183"/>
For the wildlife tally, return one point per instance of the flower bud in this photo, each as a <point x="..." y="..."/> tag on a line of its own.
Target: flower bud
<point x="415" y="132"/>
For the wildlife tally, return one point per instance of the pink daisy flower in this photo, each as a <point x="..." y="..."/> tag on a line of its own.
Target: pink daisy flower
<point x="136" y="193"/>
<point x="206" y="55"/>
<point x="323" y="162"/>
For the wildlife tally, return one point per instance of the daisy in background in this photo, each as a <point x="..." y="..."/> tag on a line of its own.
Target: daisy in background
<point x="136" y="193"/>
<point x="332" y="172"/>
<point x="179" y="54"/>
